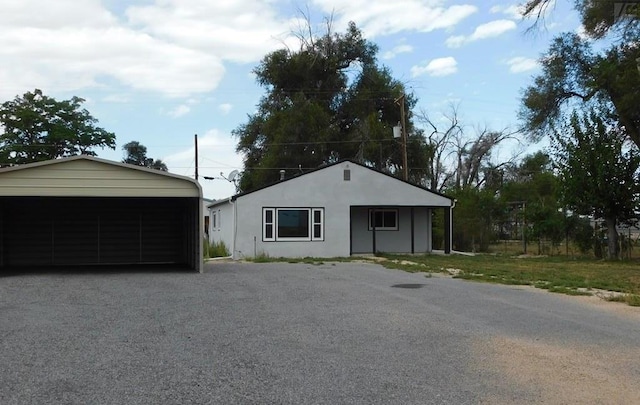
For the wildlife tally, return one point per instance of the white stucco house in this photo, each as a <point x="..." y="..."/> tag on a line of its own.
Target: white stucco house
<point x="205" y="211"/>
<point x="336" y="210"/>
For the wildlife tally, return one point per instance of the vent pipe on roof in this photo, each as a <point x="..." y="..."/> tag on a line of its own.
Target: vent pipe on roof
<point x="282" y="174"/>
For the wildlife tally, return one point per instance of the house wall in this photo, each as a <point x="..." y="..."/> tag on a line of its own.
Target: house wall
<point x="392" y="241"/>
<point x="249" y="240"/>
<point x="205" y="212"/>
<point x="327" y="189"/>
<point x="223" y="231"/>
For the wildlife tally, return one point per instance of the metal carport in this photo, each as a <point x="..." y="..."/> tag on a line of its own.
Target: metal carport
<point x="88" y="211"/>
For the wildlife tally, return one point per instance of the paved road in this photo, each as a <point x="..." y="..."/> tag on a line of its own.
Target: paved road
<point x="296" y="334"/>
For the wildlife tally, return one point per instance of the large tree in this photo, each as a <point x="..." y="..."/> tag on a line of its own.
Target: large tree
<point x="598" y="18"/>
<point x="579" y="70"/>
<point x="37" y="127"/>
<point x="136" y="154"/>
<point x="574" y="74"/>
<point x="326" y="101"/>
<point x="598" y="170"/>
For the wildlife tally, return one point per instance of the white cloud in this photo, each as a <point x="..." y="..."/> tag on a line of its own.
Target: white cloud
<point x="521" y="64"/>
<point x="174" y="48"/>
<point x="455" y="41"/>
<point x="489" y="30"/>
<point x="397" y="50"/>
<point x="216" y="151"/>
<point x="225" y="108"/>
<point x="436" y="67"/>
<point x="116" y="98"/>
<point x="179" y="111"/>
<point x="581" y="32"/>
<point x="492" y="29"/>
<point x="513" y="11"/>
<point x="235" y="30"/>
<point x="91" y="49"/>
<point x="383" y="17"/>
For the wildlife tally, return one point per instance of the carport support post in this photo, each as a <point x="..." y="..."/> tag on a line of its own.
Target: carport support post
<point x="413" y="239"/>
<point x="448" y="229"/>
<point x="373" y="226"/>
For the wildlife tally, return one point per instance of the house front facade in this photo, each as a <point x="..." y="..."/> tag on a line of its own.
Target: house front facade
<point x="338" y="210"/>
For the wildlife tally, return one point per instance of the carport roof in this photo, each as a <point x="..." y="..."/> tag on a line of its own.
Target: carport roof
<point x="89" y="176"/>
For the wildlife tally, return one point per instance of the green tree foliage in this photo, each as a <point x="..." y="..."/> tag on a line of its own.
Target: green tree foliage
<point x="598" y="171"/>
<point x="136" y="154"/>
<point x="474" y="217"/>
<point x="598" y="18"/>
<point x="37" y="127"/>
<point x="533" y="185"/>
<point x="574" y="74"/>
<point x="327" y="101"/>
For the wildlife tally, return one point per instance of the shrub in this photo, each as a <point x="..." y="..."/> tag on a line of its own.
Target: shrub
<point x="215" y="249"/>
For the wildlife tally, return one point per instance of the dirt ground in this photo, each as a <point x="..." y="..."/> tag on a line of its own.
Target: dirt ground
<point x="557" y="374"/>
<point x="561" y="373"/>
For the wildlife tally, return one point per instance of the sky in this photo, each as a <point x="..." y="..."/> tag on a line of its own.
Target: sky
<point x="161" y="71"/>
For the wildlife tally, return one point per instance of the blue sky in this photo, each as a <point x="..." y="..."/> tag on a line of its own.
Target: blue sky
<point x="160" y="71"/>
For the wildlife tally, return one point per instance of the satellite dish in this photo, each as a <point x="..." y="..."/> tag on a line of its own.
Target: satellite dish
<point x="232" y="175"/>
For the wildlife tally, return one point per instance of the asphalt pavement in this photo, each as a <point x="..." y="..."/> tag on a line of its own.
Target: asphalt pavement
<point x="275" y="333"/>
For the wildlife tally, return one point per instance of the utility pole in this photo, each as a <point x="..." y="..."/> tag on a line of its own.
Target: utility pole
<point x="196" y="147"/>
<point x="405" y="167"/>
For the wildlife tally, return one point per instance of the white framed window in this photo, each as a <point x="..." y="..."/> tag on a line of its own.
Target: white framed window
<point x="292" y="224"/>
<point x="383" y="219"/>
<point x="268" y="224"/>
<point x="317" y="224"/>
<point x="214" y="220"/>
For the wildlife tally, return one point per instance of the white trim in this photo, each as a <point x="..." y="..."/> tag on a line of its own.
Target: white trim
<point x="295" y="238"/>
<point x="272" y="223"/>
<point x="314" y="224"/>
<point x="311" y="223"/>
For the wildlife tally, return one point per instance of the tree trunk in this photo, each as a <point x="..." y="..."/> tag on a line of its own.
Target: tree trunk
<point x="612" y="238"/>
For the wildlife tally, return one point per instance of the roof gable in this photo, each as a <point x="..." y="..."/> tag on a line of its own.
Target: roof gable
<point x="90" y="176"/>
<point x="361" y="183"/>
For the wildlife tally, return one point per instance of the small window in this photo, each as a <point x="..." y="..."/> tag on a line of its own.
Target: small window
<point x="268" y="223"/>
<point x="214" y="220"/>
<point x="318" y="229"/>
<point x="347" y="175"/>
<point x="383" y="219"/>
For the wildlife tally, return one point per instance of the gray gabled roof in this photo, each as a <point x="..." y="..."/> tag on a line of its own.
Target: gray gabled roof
<point x="239" y="195"/>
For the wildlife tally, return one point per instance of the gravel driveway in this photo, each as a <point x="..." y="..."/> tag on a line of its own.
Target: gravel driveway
<point x="343" y="333"/>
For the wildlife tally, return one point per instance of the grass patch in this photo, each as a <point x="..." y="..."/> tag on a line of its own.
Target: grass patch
<point x="265" y="258"/>
<point x="629" y="299"/>
<point x="556" y="274"/>
<point x="216" y="249"/>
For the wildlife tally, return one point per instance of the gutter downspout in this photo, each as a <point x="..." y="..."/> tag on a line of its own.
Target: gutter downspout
<point x="234" y="228"/>
<point x="451" y="224"/>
